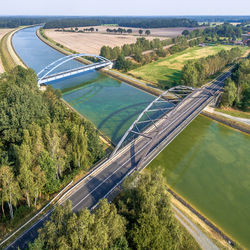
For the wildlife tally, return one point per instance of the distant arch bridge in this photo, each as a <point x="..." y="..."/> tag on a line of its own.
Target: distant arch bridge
<point x="44" y="76"/>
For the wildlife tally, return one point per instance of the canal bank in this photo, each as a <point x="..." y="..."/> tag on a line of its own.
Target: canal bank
<point x="9" y="57"/>
<point x="101" y="92"/>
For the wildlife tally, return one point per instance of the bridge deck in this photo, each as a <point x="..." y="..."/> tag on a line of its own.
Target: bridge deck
<point x="71" y="72"/>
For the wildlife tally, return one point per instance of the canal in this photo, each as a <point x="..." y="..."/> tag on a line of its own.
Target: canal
<point x="207" y="164"/>
<point x="110" y="104"/>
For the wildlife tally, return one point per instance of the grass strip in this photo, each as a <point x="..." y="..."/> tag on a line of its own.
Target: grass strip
<point x="7" y="60"/>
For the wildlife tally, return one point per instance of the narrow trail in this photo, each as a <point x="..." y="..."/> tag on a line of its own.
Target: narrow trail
<point x="199" y="236"/>
<point x="238" y="119"/>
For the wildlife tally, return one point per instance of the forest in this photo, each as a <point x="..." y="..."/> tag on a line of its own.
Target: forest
<point x="16" y="21"/>
<point x="140" y="217"/>
<point x="43" y="144"/>
<point x="237" y="89"/>
<point x="136" y="22"/>
<point x="195" y="72"/>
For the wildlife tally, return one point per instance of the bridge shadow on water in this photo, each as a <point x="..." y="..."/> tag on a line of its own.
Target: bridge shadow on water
<point x="115" y="135"/>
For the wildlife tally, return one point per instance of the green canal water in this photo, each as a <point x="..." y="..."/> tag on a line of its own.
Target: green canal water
<point x="208" y="165"/>
<point x="111" y="105"/>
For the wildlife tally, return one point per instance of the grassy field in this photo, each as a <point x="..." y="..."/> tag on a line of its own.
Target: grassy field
<point x="166" y="71"/>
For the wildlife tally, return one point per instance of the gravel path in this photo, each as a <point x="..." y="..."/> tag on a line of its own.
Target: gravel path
<point x="199" y="236"/>
<point x="238" y="119"/>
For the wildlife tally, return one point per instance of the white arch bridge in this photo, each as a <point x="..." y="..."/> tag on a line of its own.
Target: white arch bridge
<point x="45" y="76"/>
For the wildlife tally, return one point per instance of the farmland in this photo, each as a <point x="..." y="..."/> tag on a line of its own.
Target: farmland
<point x="166" y="71"/>
<point x="91" y="42"/>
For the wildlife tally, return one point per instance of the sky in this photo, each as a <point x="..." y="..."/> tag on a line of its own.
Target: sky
<point x="124" y="7"/>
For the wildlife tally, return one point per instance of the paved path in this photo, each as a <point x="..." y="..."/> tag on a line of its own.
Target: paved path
<point x="199" y="236"/>
<point x="238" y="119"/>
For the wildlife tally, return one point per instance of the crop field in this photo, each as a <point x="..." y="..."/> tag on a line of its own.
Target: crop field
<point x="166" y="71"/>
<point x="91" y="42"/>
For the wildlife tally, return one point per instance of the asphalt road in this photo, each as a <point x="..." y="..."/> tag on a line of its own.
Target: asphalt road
<point x="112" y="171"/>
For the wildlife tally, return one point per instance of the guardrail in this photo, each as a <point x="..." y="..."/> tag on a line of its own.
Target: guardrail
<point x="25" y="224"/>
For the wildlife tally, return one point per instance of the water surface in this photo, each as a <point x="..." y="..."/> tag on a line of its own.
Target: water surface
<point x="208" y="164"/>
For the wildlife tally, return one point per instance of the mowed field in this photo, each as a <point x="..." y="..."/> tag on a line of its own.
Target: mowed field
<point x="166" y="71"/>
<point x="92" y="42"/>
<point x="2" y="33"/>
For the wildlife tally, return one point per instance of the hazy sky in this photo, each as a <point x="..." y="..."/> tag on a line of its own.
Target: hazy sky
<point x="125" y="7"/>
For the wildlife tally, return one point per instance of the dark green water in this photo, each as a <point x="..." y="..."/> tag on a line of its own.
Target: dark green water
<point x="111" y="105"/>
<point x="208" y="164"/>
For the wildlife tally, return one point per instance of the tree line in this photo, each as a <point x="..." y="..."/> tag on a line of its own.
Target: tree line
<point x="180" y="43"/>
<point x="135" y="50"/>
<point x="195" y="72"/>
<point x="119" y="30"/>
<point x="140" y="218"/>
<point x="16" y="21"/>
<point x="237" y="90"/>
<point x="42" y="143"/>
<point x="224" y="30"/>
<point x="128" y="21"/>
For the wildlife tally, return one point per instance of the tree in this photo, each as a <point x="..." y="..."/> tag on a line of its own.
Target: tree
<point x="39" y="179"/>
<point x="67" y="230"/>
<point x="105" y="52"/>
<point x="26" y="181"/>
<point x="185" y="33"/>
<point x="48" y="165"/>
<point x="140" y="32"/>
<point x="126" y="50"/>
<point x="20" y="104"/>
<point x="145" y="204"/>
<point x="123" y="64"/>
<point x="147" y="32"/>
<point x="230" y="93"/>
<point x="190" y="74"/>
<point x="79" y="148"/>
<point x="9" y="188"/>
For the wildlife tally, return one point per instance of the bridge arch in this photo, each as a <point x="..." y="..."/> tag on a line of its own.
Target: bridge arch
<point x="103" y="62"/>
<point x="172" y="98"/>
